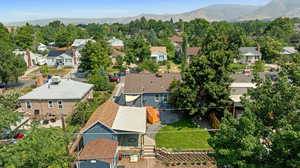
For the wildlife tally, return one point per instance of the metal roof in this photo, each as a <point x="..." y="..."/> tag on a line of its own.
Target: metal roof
<point x="131" y="119"/>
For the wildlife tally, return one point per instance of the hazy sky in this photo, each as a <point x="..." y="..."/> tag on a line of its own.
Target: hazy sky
<point x="20" y="10"/>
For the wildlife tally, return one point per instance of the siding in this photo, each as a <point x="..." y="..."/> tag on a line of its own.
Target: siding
<point x="88" y="164"/>
<point x="98" y="128"/>
<point x="147" y="99"/>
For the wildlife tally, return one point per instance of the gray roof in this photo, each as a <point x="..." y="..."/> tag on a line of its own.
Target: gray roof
<point x="252" y="50"/>
<point x="149" y="82"/>
<point x="56" y="53"/>
<point x="65" y="90"/>
<point x="243" y="78"/>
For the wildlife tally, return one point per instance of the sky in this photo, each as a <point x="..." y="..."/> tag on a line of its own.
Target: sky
<point x="24" y="10"/>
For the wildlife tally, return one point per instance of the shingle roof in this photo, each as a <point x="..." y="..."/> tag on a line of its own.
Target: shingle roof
<point x="55" y="53"/>
<point x="192" y="51"/>
<point x="65" y="90"/>
<point x="176" y="39"/>
<point x="81" y="42"/>
<point x="252" y="50"/>
<point x="149" y="82"/>
<point x="101" y="149"/>
<point x="158" y="49"/>
<point x="106" y="114"/>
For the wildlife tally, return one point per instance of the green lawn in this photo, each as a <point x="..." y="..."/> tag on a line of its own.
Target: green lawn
<point x="238" y="67"/>
<point x="182" y="140"/>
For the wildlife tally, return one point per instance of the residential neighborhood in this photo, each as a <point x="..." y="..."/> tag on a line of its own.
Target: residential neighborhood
<point x="154" y="90"/>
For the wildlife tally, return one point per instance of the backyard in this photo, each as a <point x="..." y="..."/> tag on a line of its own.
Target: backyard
<point x="49" y="70"/>
<point x="193" y="139"/>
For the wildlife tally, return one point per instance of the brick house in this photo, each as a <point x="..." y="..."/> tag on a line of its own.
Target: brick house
<point x="53" y="98"/>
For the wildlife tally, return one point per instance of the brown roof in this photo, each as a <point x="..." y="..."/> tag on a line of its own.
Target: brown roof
<point x="149" y="82"/>
<point x="101" y="149"/>
<point x="176" y="39"/>
<point x="106" y="114"/>
<point x="116" y="53"/>
<point x="192" y="51"/>
<point x="158" y="48"/>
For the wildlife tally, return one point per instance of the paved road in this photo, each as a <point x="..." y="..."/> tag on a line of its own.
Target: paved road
<point x="21" y="84"/>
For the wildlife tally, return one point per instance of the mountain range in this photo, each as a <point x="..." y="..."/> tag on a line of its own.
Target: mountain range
<point x="229" y="12"/>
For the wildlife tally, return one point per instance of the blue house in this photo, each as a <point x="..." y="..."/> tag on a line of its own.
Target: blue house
<point x="147" y="89"/>
<point x="99" y="153"/>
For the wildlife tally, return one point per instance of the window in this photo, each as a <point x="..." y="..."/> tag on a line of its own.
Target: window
<point x="165" y="99"/>
<point x="36" y="112"/>
<point x="50" y="104"/>
<point x="28" y="105"/>
<point x="157" y="98"/>
<point x="60" y="104"/>
<point x="69" y="60"/>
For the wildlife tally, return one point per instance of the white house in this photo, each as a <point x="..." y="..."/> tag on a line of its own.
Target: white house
<point x="116" y="43"/>
<point x="288" y="51"/>
<point x="80" y="43"/>
<point x="42" y="47"/>
<point x="159" y="54"/>
<point x="249" y="55"/>
<point x="68" y="58"/>
<point x="31" y="58"/>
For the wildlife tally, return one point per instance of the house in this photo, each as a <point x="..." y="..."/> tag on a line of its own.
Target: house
<point x="176" y="40"/>
<point x="42" y="47"/>
<point x="116" y="43"/>
<point x="159" y="54"/>
<point x="99" y="153"/>
<point x="80" y="43"/>
<point x="110" y="119"/>
<point x="289" y="51"/>
<point x="249" y="55"/>
<point x="63" y="57"/>
<point x="115" y="54"/>
<point x="57" y="97"/>
<point x="241" y="84"/>
<point x="192" y="52"/>
<point x="147" y="89"/>
<point x="31" y="58"/>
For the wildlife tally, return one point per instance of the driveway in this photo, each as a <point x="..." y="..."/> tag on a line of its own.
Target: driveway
<point x="21" y="84"/>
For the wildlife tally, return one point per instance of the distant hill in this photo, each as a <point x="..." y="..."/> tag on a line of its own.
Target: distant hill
<point x="274" y="9"/>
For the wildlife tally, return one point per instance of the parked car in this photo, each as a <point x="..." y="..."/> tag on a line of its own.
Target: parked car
<point x="114" y="78"/>
<point x="2" y="85"/>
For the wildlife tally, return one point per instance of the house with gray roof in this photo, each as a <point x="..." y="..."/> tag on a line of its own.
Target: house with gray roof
<point x="288" y="51"/>
<point x="147" y="89"/>
<point x="249" y="55"/>
<point x="116" y="43"/>
<point x="240" y="86"/>
<point x="57" y="97"/>
<point x="66" y="58"/>
<point x="80" y="43"/>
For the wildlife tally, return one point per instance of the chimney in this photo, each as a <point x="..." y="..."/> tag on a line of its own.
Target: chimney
<point x="29" y="61"/>
<point x="40" y="80"/>
<point x="74" y="56"/>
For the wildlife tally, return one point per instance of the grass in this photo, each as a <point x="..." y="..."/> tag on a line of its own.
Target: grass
<point x="52" y="71"/>
<point x="182" y="140"/>
<point x="238" y="67"/>
<point x="173" y="68"/>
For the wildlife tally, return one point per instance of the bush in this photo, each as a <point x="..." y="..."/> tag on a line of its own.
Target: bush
<point x="149" y="65"/>
<point x="259" y="66"/>
<point x="84" y="110"/>
<point x="44" y="70"/>
<point x="100" y="82"/>
<point x="11" y="99"/>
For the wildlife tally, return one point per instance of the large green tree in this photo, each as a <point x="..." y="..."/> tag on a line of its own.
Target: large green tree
<point x="24" y="37"/>
<point x="41" y="148"/>
<point x="95" y="56"/>
<point x="137" y="50"/>
<point x="270" y="48"/>
<point x="9" y="117"/>
<point x="268" y="133"/>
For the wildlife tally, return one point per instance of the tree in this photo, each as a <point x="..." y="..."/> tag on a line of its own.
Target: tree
<point x="8" y="118"/>
<point x="24" y="37"/>
<point x="259" y="66"/>
<point x="149" y="65"/>
<point x="268" y="133"/>
<point x="137" y="50"/>
<point x="204" y="89"/>
<point x="270" y="48"/>
<point x="10" y="99"/>
<point x="100" y="81"/>
<point x="95" y="56"/>
<point x="41" y="148"/>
